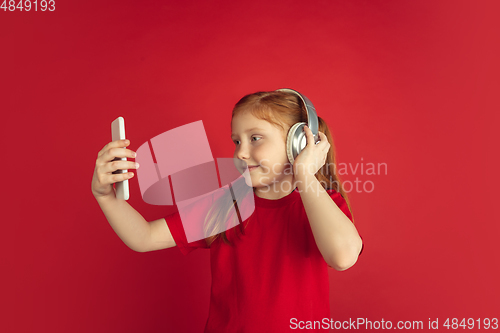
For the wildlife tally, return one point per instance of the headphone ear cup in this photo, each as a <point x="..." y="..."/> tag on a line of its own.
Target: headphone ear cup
<point x="294" y="141"/>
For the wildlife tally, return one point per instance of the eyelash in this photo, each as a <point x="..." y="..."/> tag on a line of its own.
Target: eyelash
<point x="253" y="137"/>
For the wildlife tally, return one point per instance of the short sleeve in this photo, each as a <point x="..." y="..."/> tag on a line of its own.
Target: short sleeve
<point x="174" y="224"/>
<point x="342" y="204"/>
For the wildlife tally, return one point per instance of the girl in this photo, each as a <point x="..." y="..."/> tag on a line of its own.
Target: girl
<point x="269" y="273"/>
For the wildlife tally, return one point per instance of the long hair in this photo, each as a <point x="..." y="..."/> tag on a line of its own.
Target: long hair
<point x="283" y="110"/>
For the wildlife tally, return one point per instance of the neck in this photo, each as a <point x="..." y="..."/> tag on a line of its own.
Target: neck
<point x="276" y="190"/>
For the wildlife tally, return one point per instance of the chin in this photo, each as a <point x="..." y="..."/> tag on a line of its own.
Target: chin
<point x="250" y="180"/>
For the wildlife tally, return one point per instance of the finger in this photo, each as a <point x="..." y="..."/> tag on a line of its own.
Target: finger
<point x="120" y="177"/>
<point x="120" y="165"/>
<point x="323" y="138"/>
<point x="113" y="153"/>
<point x="105" y="178"/>
<point x="113" y="144"/>
<point x="309" y="136"/>
<point x="318" y="140"/>
<point x="119" y="143"/>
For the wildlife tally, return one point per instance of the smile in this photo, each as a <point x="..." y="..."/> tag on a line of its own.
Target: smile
<point x="250" y="168"/>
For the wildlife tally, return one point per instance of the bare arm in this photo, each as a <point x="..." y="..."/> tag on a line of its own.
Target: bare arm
<point x="133" y="229"/>
<point x="129" y="225"/>
<point x="335" y="235"/>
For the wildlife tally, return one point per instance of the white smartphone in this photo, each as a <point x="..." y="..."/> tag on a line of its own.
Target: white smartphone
<point x="118" y="133"/>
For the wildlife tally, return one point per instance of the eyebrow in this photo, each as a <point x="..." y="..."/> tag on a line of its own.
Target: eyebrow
<point x="251" y="129"/>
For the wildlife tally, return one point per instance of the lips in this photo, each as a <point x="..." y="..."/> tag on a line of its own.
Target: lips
<point x="252" y="167"/>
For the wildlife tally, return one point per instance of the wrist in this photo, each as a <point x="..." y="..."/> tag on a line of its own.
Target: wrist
<point x="304" y="180"/>
<point x="303" y="175"/>
<point x="302" y="171"/>
<point x="104" y="198"/>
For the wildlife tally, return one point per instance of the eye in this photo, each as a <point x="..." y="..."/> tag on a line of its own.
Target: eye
<point x="253" y="137"/>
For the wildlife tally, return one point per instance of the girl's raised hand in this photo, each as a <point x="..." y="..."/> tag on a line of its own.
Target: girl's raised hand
<point x="312" y="158"/>
<point x="103" y="179"/>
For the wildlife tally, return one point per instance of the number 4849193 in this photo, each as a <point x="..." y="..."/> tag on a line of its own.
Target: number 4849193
<point x="28" y="5"/>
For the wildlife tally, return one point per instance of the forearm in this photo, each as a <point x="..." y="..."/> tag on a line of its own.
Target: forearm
<point x="128" y="224"/>
<point x="335" y="235"/>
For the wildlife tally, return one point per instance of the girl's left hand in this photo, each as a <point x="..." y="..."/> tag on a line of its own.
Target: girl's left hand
<point x="312" y="158"/>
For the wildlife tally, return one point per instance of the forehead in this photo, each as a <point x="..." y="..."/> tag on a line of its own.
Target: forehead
<point x="246" y="122"/>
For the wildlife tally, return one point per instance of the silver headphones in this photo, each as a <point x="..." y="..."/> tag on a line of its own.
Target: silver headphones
<point x="296" y="140"/>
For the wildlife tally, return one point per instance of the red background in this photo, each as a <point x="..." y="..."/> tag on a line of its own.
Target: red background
<point x="410" y="84"/>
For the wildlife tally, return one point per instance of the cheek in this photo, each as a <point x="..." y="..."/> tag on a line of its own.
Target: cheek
<point x="259" y="153"/>
<point x="275" y="165"/>
<point x="269" y="155"/>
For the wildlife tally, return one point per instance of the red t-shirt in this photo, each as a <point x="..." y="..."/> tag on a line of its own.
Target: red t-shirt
<point x="273" y="273"/>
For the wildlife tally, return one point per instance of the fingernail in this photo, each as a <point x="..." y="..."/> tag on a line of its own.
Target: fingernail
<point x="137" y="165"/>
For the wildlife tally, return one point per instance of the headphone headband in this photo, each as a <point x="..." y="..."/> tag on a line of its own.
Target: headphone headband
<point x="296" y="138"/>
<point x="312" y="117"/>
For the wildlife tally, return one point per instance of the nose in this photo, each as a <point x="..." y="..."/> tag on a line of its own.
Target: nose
<point x="242" y="152"/>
